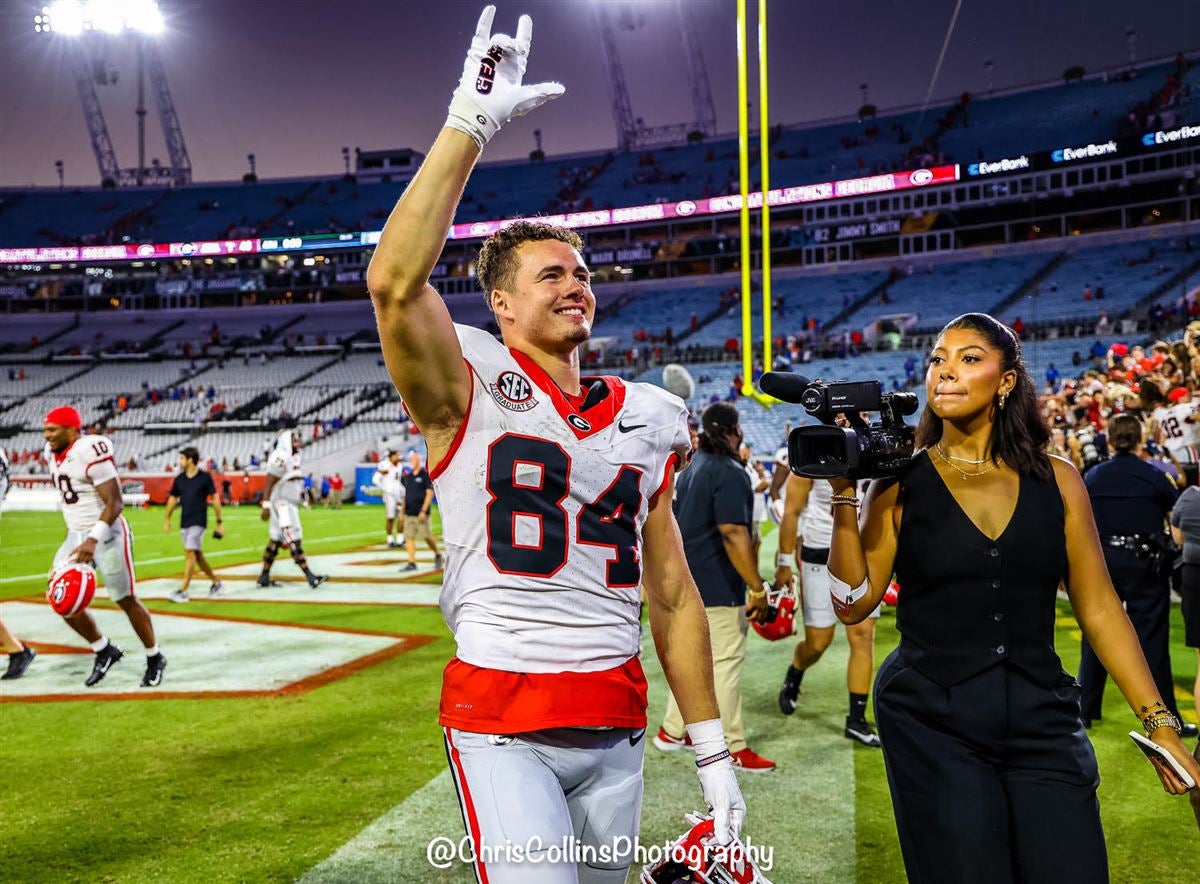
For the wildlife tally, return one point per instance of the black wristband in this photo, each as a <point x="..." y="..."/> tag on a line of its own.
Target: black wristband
<point x="712" y="759"/>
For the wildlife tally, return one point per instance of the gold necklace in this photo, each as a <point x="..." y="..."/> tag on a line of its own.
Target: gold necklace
<point x="942" y="452"/>
<point x="956" y="469"/>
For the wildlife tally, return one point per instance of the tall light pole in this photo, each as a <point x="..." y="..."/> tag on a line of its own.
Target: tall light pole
<point x="85" y="20"/>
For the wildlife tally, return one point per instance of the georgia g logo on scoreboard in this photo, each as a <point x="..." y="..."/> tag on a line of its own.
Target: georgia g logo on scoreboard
<point x="513" y="391"/>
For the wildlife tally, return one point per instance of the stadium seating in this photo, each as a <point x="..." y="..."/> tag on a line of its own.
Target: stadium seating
<point x="1017" y="122"/>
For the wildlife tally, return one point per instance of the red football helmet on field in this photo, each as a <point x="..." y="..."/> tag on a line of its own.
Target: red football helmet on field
<point x="781" y="614"/>
<point x="72" y="587"/>
<point x="696" y="858"/>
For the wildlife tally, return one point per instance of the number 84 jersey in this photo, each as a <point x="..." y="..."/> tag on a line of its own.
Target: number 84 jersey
<point x="76" y="472"/>
<point x="543" y="500"/>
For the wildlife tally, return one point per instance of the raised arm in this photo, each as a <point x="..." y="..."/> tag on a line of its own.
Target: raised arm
<point x="420" y="347"/>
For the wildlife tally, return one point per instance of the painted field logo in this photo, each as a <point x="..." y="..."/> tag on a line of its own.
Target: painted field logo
<point x="513" y="392"/>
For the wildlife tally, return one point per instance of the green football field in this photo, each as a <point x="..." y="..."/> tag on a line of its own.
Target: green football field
<point x="347" y="782"/>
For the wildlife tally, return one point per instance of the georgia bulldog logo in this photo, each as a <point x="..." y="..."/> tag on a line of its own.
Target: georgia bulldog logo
<point x="513" y="391"/>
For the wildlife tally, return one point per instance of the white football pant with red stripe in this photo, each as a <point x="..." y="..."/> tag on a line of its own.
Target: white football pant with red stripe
<point x="560" y="790"/>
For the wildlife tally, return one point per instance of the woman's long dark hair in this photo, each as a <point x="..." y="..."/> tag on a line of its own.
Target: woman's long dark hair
<point x="1019" y="435"/>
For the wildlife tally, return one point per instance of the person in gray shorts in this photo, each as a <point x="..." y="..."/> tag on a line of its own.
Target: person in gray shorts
<point x="191" y="491"/>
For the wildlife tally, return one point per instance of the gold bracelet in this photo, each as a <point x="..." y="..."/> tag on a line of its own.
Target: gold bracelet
<point x="844" y="502"/>
<point x="845" y="498"/>
<point x="1161" y="719"/>
<point x="750" y="593"/>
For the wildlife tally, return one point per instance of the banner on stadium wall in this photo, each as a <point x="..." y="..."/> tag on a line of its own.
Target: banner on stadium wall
<point x="154" y="488"/>
<point x="364" y="490"/>
<point x="687" y="208"/>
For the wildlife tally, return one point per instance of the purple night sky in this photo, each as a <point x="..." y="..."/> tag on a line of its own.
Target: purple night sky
<point x="294" y="82"/>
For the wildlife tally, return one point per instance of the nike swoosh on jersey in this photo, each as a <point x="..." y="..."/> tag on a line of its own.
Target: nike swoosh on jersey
<point x="624" y="429"/>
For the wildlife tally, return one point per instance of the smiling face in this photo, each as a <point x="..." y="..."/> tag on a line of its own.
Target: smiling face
<point x="965" y="376"/>
<point x="59" y="437"/>
<point x="551" y="306"/>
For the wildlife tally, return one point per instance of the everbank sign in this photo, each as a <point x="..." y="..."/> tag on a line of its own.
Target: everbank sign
<point x="1183" y="133"/>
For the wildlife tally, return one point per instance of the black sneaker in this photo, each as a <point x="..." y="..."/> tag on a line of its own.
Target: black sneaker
<point x="790" y="692"/>
<point x="315" y="580"/>
<point x="154" y="670"/>
<point x="862" y="731"/>
<point x="265" y="581"/>
<point x="18" y="663"/>
<point x="438" y="561"/>
<point x="411" y="566"/>
<point x="104" y="661"/>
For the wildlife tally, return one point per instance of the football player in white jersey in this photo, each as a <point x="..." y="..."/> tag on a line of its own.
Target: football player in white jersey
<point x="84" y="472"/>
<point x="805" y="532"/>
<point x="1179" y="430"/>
<point x="281" y="508"/>
<point x="387" y="480"/>
<point x="556" y="501"/>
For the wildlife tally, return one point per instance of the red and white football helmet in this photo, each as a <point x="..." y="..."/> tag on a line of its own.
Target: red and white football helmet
<point x="72" y="587"/>
<point x="696" y="858"/>
<point x="781" y="614"/>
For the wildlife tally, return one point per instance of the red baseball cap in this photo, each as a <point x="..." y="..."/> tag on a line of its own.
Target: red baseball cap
<point x="1177" y="394"/>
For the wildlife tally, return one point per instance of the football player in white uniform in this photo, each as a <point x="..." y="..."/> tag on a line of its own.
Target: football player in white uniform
<point x="85" y="474"/>
<point x="805" y="532"/>
<point x="387" y="480"/>
<point x="1179" y="430"/>
<point x="281" y="507"/>
<point x="556" y="499"/>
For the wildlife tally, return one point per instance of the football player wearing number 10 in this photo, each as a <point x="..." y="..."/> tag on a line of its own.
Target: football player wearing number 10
<point x="85" y="474"/>
<point x="556" y="499"/>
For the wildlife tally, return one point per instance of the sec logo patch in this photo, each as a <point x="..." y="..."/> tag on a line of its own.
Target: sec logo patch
<point x="513" y="391"/>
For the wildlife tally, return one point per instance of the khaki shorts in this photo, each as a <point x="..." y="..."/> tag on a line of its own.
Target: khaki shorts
<point x="414" y="527"/>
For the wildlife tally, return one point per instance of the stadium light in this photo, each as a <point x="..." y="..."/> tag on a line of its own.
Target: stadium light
<point x="74" y="17"/>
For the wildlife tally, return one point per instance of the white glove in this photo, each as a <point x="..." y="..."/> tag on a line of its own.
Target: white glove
<point x="490" y="91"/>
<point x="718" y="782"/>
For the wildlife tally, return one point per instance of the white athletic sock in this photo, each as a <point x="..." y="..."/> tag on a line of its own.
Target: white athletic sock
<point x="152" y="652"/>
<point x="100" y="644"/>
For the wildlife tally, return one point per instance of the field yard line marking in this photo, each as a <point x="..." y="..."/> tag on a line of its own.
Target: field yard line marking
<point x="392" y="848"/>
<point x="211" y="554"/>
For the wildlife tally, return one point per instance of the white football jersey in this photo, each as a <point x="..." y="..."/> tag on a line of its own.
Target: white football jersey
<point x="815" y="526"/>
<point x="387" y="477"/>
<point x="1178" y="435"/>
<point x="286" y="468"/>
<point x="76" y="472"/>
<point x="543" y="507"/>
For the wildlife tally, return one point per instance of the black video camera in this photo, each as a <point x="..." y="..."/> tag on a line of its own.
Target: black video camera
<point x="860" y="451"/>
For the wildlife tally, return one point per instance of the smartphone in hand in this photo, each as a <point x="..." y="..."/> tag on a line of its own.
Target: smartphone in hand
<point x="1152" y="751"/>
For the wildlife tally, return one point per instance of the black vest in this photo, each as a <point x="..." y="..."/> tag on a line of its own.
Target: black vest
<point x="967" y="602"/>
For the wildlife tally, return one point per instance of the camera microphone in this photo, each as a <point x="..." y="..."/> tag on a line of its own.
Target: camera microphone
<point x="784" y="385"/>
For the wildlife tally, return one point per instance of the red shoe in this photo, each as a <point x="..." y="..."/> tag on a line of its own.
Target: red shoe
<point x="751" y="762"/>
<point x="668" y="743"/>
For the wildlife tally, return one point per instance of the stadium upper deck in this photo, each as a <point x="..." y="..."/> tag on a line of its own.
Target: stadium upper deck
<point x="1093" y="110"/>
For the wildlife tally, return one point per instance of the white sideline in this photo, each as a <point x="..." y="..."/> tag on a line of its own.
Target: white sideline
<point x="212" y="552"/>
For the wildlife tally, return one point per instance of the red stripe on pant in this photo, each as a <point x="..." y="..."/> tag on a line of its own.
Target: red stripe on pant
<point x="127" y="549"/>
<point x="472" y="819"/>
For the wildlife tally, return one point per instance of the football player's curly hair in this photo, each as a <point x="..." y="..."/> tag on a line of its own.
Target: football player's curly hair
<point x="497" y="264"/>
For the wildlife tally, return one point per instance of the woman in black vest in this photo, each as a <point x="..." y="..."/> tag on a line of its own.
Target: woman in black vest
<point x="992" y="775"/>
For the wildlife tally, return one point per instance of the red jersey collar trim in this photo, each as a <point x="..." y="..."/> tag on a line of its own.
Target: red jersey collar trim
<point x="599" y="417"/>
<point x="59" y="458"/>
